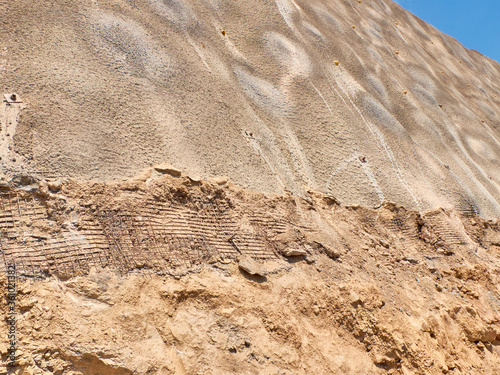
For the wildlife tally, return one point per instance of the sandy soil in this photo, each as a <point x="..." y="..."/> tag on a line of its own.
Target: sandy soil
<point x="251" y="90"/>
<point x="297" y="286"/>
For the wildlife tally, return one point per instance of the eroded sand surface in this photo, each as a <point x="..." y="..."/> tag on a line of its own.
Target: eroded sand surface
<point x="157" y="277"/>
<point x="251" y="89"/>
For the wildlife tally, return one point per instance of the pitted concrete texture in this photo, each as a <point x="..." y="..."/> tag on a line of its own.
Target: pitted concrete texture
<point x="359" y="100"/>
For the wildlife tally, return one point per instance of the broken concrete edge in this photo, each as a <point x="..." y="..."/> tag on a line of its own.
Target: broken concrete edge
<point x="12" y="98"/>
<point x="168" y="169"/>
<point x="251" y="266"/>
<point x="32" y="181"/>
<point x="35" y="181"/>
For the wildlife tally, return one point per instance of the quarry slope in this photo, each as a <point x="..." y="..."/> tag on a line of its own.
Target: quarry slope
<point x="356" y="231"/>
<point x="168" y="275"/>
<point x="357" y="99"/>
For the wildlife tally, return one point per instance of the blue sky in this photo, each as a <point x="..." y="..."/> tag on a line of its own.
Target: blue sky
<point x="474" y="23"/>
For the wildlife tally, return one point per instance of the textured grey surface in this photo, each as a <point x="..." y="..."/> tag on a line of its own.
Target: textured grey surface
<point x="111" y="89"/>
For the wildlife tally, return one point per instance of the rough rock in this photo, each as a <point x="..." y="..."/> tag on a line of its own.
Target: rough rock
<point x="145" y="174"/>
<point x="251" y="267"/>
<point x="294" y="252"/>
<point x="220" y="180"/>
<point x="168" y="169"/>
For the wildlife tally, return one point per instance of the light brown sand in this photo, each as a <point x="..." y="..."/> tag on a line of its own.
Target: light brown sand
<point x="385" y="291"/>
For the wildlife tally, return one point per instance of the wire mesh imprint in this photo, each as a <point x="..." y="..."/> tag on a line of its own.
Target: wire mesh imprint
<point x="406" y="225"/>
<point x="162" y="237"/>
<point x="448" y="231"/>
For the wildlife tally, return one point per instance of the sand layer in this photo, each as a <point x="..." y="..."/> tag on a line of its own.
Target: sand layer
<point x="124" y="278"/>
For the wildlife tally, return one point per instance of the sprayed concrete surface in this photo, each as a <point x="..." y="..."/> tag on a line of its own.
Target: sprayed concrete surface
<point x="357" y="99"/>
<point x="356" y="231"/>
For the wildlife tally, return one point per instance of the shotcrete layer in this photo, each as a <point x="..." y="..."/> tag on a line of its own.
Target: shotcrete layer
<point x="357" y="99"/>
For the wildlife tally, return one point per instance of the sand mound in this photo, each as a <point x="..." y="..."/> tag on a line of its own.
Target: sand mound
<point x="360" y="100"/>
